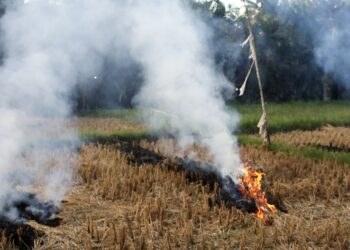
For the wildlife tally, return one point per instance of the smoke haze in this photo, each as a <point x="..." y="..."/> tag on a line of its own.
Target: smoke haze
<point x="53" y="47"/>
<point x="326" y="22"/>
<point x="181" y="81"/>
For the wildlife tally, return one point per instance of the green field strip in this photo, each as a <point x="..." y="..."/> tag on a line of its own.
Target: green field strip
<point x="310" y="152"/>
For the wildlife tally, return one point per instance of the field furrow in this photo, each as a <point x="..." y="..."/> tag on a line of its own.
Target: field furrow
<point x="333" y="138"/>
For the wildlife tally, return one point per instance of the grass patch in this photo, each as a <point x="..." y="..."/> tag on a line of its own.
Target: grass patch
<point x="311" y="152"/>
<point x="294" y="115"/>
<point x="125" y="114"/>
<point x="124" y="135"/>
<point x="283" y="117"/>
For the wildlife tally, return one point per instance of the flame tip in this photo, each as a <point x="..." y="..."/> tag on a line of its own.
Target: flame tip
<point x="251" y="186"/>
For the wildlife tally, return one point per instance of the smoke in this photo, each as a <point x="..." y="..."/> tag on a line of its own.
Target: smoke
<point x="181" y="82"/>
<point x="332" y="51"/>
<point x="52" y="48"/>
<point x="49" y="47"/>
<point x="325" y="21"/>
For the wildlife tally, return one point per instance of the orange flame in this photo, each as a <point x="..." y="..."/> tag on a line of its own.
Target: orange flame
<point x="251" y="186"/>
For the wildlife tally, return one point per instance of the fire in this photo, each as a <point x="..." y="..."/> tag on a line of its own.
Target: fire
<point x="252" y="187"/>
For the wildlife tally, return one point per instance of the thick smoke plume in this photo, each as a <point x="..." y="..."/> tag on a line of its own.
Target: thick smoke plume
<point x="180" y="80"/>
<point x="54" y="47"/>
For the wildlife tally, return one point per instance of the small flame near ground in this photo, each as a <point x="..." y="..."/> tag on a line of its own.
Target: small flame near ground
<point x="251" y="186"/>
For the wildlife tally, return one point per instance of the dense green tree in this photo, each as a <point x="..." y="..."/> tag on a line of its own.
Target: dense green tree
<point x="287" y="36"/>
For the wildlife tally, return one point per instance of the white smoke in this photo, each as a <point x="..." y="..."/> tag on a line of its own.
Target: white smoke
<point x="49" y="47"/>
<point x="181" y="80"/>
<point x="52" y="46"/>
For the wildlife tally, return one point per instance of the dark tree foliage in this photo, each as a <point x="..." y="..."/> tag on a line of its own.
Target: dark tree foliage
<point x="286" y="51"/>
<point x="287" y="60"/>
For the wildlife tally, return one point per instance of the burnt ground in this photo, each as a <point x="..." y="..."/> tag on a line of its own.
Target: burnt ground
<point x="131" y="196"/>
<point x="27" y="207"/>
<point x="195" y="171"/>
<point x="20" y="235"/>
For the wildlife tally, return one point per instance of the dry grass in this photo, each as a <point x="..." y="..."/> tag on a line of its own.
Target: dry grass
<point x="135" y="207"/>
<point x="104" y="125"/>
<point x="326" y="137"/>
<point x="54" y="128"/>
<point x="123" y="206"/>
<point x="118" y="204"/>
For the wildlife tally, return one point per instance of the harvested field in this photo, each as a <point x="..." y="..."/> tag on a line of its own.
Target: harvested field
<point x="329" y="137"/>
<point x="107" y="125"/>
<point x="133" y="195"/>
<point x="125" y="205"/>
<point x="86" y="125"/>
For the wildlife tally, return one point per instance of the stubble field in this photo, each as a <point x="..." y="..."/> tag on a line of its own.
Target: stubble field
<point x="128" y="195"/>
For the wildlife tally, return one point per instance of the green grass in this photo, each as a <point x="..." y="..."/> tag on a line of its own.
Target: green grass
<point x="126" y="114"/>
<point x="282" y="118"/>
<point x="125" y="135"/>
<point x="310" y="152"/>
<point x="294" y="115"/>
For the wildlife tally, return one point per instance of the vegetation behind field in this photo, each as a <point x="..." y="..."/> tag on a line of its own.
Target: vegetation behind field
<point x="295" y="115"/>
<point x="283" y="117"/>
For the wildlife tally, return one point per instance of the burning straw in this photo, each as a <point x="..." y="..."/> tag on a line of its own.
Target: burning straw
<point x="249" y="195"/>
<point x="246" y="194"/>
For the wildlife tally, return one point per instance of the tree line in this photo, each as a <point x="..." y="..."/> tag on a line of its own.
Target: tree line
<point x="285" y="41"/>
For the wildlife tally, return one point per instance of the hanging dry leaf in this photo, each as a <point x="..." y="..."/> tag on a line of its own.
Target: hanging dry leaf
<point x="242" y="89"/>
<point x="246" y="41"/>
<point x="262" y="125"/>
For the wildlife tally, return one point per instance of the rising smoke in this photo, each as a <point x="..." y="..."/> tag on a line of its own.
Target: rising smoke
<point x="53" y="47"/>
<point x="180" y="80"/>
